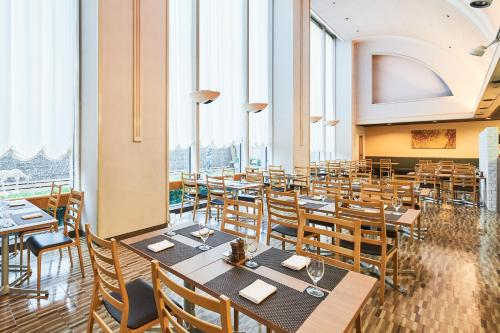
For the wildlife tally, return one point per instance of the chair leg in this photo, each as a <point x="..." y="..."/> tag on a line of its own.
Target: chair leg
<point x="358" y="324"/>
<point x="39" y="273"/>
<point x="93" y="306"/>
<point x="395" y="271"/>
<point x="80" y="258"/>
<point x="195" y="207"/>
<point x="70" y="256"/>
<point x="268" y="330"/>
<point x="21" y="249"/>
<point x="207" y="213"/>
<point x="283" y="244"/>
<point x="236" y="320"/>
<point x="182" y="204"/>
<point x="29" y="262"/>
<point x="382" y="282"/>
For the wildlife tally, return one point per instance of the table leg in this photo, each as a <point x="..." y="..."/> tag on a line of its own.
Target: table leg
<point x="5" y="265"/>
<point x="188" y="306"/>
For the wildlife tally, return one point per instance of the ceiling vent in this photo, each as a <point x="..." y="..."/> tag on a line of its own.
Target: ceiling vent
<point x="480" y="3"/>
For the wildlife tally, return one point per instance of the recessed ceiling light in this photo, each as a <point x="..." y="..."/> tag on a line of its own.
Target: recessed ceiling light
<point x="480" y="3"/>
<point x="347" y="18"/>
<point x="449" y="46"/>
<point x="448" y="15"/>
<point x="434" y="121"/>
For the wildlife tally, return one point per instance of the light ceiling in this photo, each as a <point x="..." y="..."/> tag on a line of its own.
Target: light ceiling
<point x="449" y="25"/>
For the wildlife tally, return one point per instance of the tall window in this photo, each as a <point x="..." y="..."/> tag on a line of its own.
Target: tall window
<point x="259" y="80"/>
<point x="222" y="68"/>
<point x="38" y="93"/>
<point x="322" y="92"/>
<point x="233" y="39"/>
<point x="181" y="84"/>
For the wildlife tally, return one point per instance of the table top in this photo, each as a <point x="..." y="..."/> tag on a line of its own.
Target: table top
<point x="407" y="219"/>
<point x="22" y="225"/>
<point x="233" y="184"/>
<point x="346" y="300"/>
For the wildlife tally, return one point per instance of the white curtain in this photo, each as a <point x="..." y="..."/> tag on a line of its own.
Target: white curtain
<point x="330" y="95"/>
<point x="259" y="71"/>
<point x="181" y="73"/>
<point x="222" y="68"/>
<point x="316" y="88"/>
<point x="38" y="76"/>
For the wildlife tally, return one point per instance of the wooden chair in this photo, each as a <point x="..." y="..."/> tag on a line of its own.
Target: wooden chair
<point x="283" y="217"/>
<point x="50" y="241"/>
<point x="464" y="181"/>
<point x="254" y="194"/>
<point x="364" y="176"/>
<point x="52" y="205"/>
<point x="233" y="219"/>
<point x="302" y="180"/>
<point x="277" y="180"/>
<point x="131" y="304"/>
<point x="373" y="192"/>
<point x="329" y="189"/>
<point x="346" y="185"/>
<point x="216" y="194"/>
<point x="375" y="249"/>
<point x="275" y="168"/>
<point x="385" y="168"/>
<point x="252" y="169"/>
<point x="190" y="192"/>
<point x="342" y="229"/>
<point x="228" y="173"/>
<point x="427" y="177"/>
<point x="171" y="315"/>
<point x="424" y="161"/>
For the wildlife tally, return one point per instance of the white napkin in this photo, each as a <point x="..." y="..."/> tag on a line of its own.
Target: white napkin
<point x="16" y="203"/>
<point x="31" y="216"/>
<point x="204" y="231"/>
<point x="317" y="197"/>
<point x="257" y="291"/>
<point x="160" y="246"/>
<point x="295" y="262"/>
<point x="302" y="202"/>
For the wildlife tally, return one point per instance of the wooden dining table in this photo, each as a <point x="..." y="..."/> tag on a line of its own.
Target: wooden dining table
<point x="289" y="309"/>
<point x="16" y="223"/>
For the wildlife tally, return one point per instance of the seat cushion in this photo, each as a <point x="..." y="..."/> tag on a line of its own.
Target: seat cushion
<point x="217" y="202"/>
<point x="321" y="223"/>
<point x="39" y="242"/>
<point x="142" y="306"/>
<point x="248" y="197"/>
<point x="370" y="249"/>
<point x="192" y="196"/>
<point x="288" y="231"/>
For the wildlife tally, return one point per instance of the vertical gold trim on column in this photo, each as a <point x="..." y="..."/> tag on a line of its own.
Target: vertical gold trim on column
<point x="137" y="137"/>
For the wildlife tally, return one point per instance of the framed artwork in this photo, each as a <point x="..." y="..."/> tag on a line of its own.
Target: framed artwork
<point x="434" y="139"/>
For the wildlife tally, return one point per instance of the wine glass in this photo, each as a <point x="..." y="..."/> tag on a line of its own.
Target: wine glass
<point x="315" y="269"/>
<point x="251" y="247"/>
<point x="170" y="221"/>
<point x="396" y="203"/>
<point x="355" y="196"/>
<point x="204" y="233"/>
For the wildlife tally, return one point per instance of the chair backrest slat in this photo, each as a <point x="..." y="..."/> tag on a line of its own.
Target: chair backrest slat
<point x="234" y="220"/>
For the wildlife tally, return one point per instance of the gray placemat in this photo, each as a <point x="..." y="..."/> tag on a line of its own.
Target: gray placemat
<point x="308" y="197"/>
<point x="311" y="205"/>
<point x="389" y="217"/>
<point x="216" y="239"/>
<point x="273" y="258"/>
<point x="19" y="221"/>
<point x="169" y="257"/>
<point x="287" y="308"/>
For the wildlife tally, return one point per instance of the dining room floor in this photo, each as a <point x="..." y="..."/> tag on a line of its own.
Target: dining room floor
<point x="456" y="287"/>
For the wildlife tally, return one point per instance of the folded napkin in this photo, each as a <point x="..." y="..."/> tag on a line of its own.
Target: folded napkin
<point x="257" y="291"/>
<point x="317" y="197"/>
<point x="160" y="246"/>
<point x="31" y="216"/>
<point x="295" y="262"/>
<point x="16" y="203"/>
<point x="302" y="202"/>
<point x="204" y="230"/>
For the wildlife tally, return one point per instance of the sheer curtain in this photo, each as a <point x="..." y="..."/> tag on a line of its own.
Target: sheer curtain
<point x="181" y="73"/>
<point x="316" y="90"/>
<point x="330" y="95"/>
<point x="222" y="68"/>
<point x="38" y="76"/>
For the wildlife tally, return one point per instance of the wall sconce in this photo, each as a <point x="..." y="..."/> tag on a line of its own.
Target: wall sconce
<point x="315" y="119"/>
<point x="254" y="107"/>
<point x="205" y="96"/>
<point x="331" y="123"/>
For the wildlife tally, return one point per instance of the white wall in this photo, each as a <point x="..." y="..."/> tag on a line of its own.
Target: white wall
<point x="89" y="108"/>
<point x="462" y="78"/>
<point x="345" y="129"/>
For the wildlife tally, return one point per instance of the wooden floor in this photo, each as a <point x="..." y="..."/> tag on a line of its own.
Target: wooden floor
<point x="457" y="287"/>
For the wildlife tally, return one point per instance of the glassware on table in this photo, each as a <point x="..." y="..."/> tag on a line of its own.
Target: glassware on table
<point x="251" y="247"/>
<point x="204" y="233"/>
<point x="170" y="232"/>
<point x="355" y="196"/>
<point x="315" y="269"/>
<point x="396" y="203"/>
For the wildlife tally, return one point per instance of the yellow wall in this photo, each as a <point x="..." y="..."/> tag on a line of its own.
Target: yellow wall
<point x="132" y="175"/>
<point x="396" y="140"/>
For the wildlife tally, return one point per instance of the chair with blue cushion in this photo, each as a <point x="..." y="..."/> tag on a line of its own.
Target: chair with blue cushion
<point x="40" y="243"/>
<point x="131" y="304"/>
<point x="216" y="193"/>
